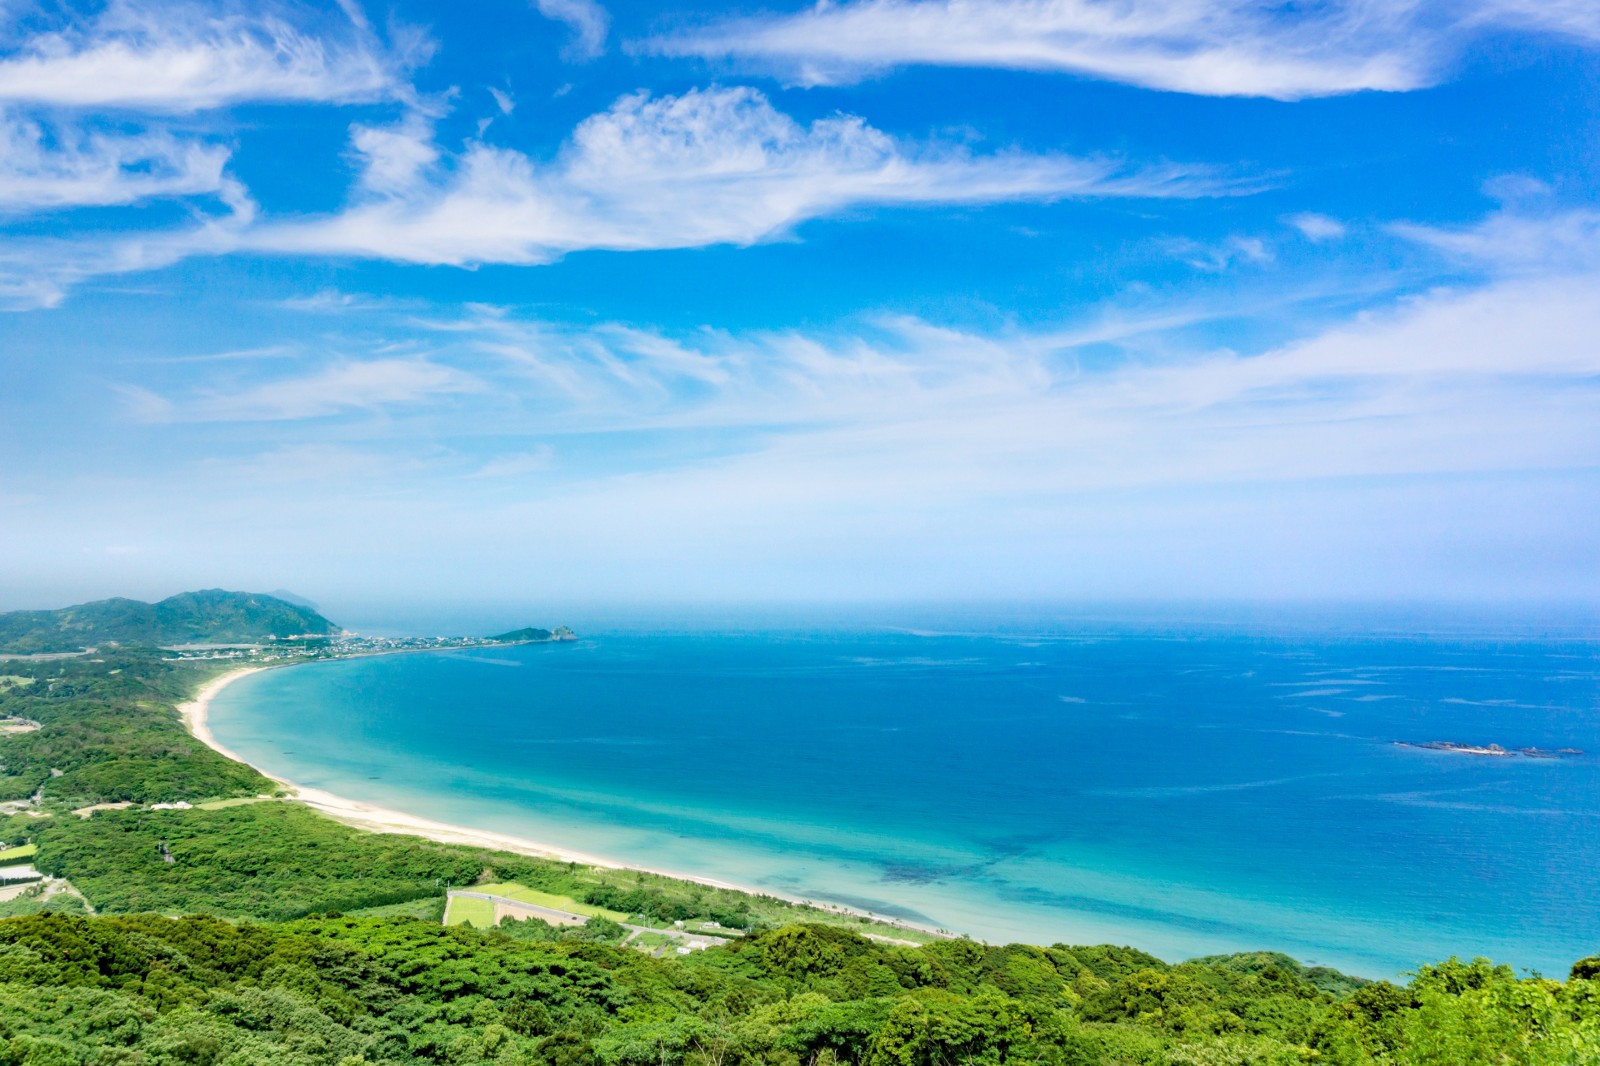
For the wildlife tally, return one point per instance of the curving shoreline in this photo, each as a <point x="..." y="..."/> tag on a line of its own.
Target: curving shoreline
<point x="372" y="818"/>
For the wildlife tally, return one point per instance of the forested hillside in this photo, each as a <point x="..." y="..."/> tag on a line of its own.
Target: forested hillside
<point x="210" y="616"/>
<point x="324" y="945"/>
<point x="107" y="732"/>
<point x="341" y="991"/>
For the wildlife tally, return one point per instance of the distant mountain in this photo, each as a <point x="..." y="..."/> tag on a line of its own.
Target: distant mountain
<point x="289" y="597"/>
<point x="213" y="616"/>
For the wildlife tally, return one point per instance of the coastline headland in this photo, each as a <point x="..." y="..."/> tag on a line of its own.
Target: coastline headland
<point x="372" y="818"/>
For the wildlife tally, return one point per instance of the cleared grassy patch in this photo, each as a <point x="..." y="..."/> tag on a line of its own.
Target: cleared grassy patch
<point x="653" y="942"/>
<point x="478" y="913"/>
<point x="523" y="894"/>
<point x="26" y="851"/>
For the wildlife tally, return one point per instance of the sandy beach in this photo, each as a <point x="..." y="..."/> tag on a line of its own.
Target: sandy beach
<point x="366" y="816"/>
<point x="384" y="820"/>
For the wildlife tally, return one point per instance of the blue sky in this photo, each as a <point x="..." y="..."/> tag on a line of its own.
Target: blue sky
<point x="879" y="299"/>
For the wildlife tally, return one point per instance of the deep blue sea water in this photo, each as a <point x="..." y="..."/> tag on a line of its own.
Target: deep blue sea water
<point x="1185" y="793"/>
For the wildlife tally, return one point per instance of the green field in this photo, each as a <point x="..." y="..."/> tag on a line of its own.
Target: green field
<point x="26" y="851"/>
<point x="523" y="894"/>
<point x="478" y="913"/>
<point x="652" y="942"/>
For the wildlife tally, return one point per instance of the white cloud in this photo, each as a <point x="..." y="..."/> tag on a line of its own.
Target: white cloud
<point x="236" y="355"/>
<point x="1210" y="47"/>
<point x="333" y="301"/>
<point x="394" y="159"/>
<point x="1318" y="228"/>
<point x="906" y="453"/>
<point x="1407" y="372"/>
<point x="1577" y="19"/>
<point x="1520" y="242"/>
<point x="588" y="20"/>
<point x="182" y="57"/>
<point x="1442" y="443"/>
<point x="63" y="166"/>
<point x="889" y="430"/>
<point x="172" y="57"/>
<point x="367" y="385"/>
<point x="502" y="100"/>
<point x="1219" y="257"/>
<point x="38" y="272"/>
<point x="1207" y="47"/>
<point x="902" y="413"/>
<point x="713" y="166"/>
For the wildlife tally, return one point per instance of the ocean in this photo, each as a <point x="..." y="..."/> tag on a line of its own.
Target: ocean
<point x="1187" y="792"/>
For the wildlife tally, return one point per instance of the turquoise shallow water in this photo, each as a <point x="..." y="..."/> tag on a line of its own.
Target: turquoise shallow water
<point x="1187" y="794"/>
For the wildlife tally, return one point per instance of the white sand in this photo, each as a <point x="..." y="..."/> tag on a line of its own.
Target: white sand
<point x="365" y="815"/>
<point x="384" y="820"/>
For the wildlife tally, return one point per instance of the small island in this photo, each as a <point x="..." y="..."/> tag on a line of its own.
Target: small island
<point x="530" y="635"/>
<point x="1489" y="750"/>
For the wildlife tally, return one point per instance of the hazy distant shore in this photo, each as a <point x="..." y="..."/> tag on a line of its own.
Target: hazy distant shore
<point x="196" y="712"/>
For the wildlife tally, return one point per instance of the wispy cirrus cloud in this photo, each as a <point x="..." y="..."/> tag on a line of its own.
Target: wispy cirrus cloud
<point x="1218" y="257"/>
<point x="60" y="165"/>
<point x="184" y="57"/>
<point x="1374" y="449"/>
<point x="1389" y="445"/>
<point x="711" y="166"/>
<point x="39" y="272"/>
<point x="1205" y="47"/>
<point x="1520" y="241"/>
<point x="345" y="386"/>
<point x="588" y="21"/>
<point x="1577" y="19"/>
<point x="1317" y="228"/>
<point x="337" y="302"/>
<point x="1498" y="377"/>
<point x="1409" y="366"/>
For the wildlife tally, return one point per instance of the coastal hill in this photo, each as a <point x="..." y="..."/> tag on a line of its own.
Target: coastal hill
<point x="210" y="616"/>
<point x="531" y="635"/>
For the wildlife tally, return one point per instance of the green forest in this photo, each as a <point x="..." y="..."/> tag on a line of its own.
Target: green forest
<point x="242" y="928"/>
<point x="210" y="616"/>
